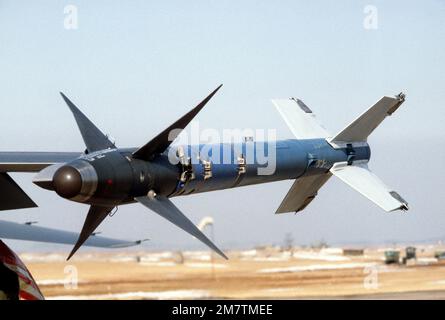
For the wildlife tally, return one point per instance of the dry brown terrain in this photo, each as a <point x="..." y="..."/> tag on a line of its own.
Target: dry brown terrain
<point x="265" y="273"/>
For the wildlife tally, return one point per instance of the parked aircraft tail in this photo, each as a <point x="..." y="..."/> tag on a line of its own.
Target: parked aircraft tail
<point x="303" y="125"/>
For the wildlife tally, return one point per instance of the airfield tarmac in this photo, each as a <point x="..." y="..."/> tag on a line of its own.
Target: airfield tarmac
<point x="266" y="273"/>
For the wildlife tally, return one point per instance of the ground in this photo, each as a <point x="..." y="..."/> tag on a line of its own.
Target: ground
<point x="261" y="273"/>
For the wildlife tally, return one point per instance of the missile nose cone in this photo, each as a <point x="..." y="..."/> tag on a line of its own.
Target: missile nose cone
<point x="67" y="182"/>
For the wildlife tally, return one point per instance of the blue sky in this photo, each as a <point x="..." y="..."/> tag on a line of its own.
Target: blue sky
<point x="134" y="67"/>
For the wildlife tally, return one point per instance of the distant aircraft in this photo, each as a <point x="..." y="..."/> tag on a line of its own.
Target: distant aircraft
<point x="105" y="176"/>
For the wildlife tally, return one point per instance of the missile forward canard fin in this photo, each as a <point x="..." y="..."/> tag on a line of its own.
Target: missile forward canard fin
<point x="95" y="216"/>
<point x="163" y="140"/>
<point x="166" y="209"/>
<point x="300" y="119"/>
<point x="94" y="139"/>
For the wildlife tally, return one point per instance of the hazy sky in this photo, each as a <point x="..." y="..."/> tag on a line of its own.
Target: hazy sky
<point x="134" y="67"/>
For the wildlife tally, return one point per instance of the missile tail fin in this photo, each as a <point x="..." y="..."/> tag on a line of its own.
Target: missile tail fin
<point x="359" y="129"/>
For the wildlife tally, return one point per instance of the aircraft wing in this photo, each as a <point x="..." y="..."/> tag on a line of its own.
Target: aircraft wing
<point x="33" y="161"/>
<point x="17" y="231"/>
<point x="11" y="195"/>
